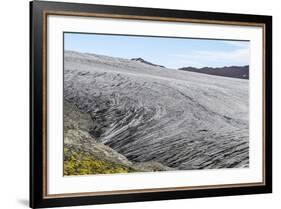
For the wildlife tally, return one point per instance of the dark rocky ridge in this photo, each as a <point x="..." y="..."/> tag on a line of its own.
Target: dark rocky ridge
<point x="232" y="71"/>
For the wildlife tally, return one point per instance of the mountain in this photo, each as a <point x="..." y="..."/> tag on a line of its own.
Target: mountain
<point x="146" y="62"/>
<point x="232" y="71"/>
<point x="179" y="119"/>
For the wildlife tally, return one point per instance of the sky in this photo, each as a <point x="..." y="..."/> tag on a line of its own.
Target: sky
<point x="170" y="52"/>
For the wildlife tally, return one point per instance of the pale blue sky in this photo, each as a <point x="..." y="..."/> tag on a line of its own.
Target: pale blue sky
<point x="170" y="52"/>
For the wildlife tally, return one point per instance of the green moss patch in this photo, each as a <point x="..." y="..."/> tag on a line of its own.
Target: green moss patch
<point x="79" y="162"/>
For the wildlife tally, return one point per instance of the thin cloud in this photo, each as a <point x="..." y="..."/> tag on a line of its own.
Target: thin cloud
<point x="205" y="58"/>
<point x="239" y="44"/>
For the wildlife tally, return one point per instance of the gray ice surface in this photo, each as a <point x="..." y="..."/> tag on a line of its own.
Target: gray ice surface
<point x="181" y="119"/>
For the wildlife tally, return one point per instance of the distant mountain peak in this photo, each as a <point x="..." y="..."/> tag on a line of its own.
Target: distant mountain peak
<point x="139" y="59"/>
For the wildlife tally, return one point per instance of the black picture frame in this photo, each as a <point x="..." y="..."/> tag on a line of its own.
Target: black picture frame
<point x="38" y="12"/>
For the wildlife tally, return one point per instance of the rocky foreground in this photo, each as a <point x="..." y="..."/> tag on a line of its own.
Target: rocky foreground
<point x="150" y="116"/>
<point x="84" y="155"/>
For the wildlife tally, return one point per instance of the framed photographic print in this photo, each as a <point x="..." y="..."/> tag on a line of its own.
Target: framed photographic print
<point x="140" y="104"/>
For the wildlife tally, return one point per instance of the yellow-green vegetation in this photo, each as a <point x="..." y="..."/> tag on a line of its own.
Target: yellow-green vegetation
<point x="79" y="162"/>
